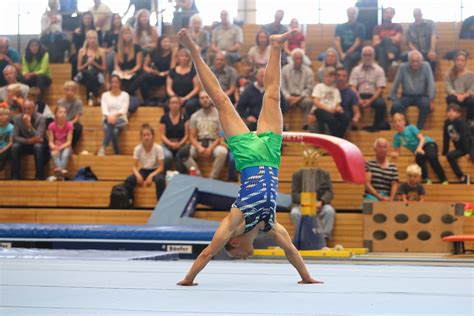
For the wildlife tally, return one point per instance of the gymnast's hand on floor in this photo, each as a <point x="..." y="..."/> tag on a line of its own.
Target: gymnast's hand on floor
<point x="310" y="280"/>
<point x="186" y="283"/>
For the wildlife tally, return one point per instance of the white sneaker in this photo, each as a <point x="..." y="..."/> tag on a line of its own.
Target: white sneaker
<point x="51" y="179"/>
<point x="101" y="152"/>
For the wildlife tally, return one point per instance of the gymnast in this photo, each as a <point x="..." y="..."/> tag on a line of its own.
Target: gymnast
<point x="257" y="157"/>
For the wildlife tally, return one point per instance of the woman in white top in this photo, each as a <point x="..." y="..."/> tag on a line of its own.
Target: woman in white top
<point x="260" y="53"/>
<point x="114" y="104"/>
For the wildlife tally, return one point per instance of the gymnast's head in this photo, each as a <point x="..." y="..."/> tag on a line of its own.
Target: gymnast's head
<point x="237" y="248"/>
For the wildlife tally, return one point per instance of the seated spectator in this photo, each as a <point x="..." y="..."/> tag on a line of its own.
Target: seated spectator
<point x="28" y="138"/>
<point x="327" y="105"/>
<point x="295" y="40"/>
<point x="276" y="27"/>
<point x="114" y="105"/>
<point x="185" y="10"/>
<point x="15" y="98"/>
<point x="467" y="28"/>
<point x="387" y="40"/>
<point x="423" y="37"/>
<point x="40" y="106"/>
<point x="349" y="38"/>
<point x="8" y="56"/>
<point x="418" y="87"/>
<point x="74" y="107"/>
<point x="423" y="147"/>
<point x="381" y="175"/>
<point x="412" y="190"/>
<point x="368" y="81"/>
<point x="145" y="36"/>
<point x="91" y="66"/>
<point x="227" y="38"/>
<point x="199" y="35"/>
<point x="320" y="181"/>
<point x="6" y="136"/>
<point x="455" y="130"/>
<point x="174" y="131"/>
<point x="349" y="99"/>
<point x="156" y="68"/>
<point x="246" y="77"/>
<point x="183" y="82"/>
<point x="205" y="138"/>
<point x="79" y="38"/>
<point x="10" y="75"/>
<point x="52" y="35"/>
<point x="297" y="83"/>
<point x="331" y="59"/>
<point x="459" y="82"/>
<point x="102" y="16"/>
<point x="148" y="166"/>
<point x="128" y="60"/>
<point x="260" y="53"/>
<point x="35" y="66"/>
<point x="60" y="140"/>
<point x="110" y="41"/>
<point x="226" y="75"/>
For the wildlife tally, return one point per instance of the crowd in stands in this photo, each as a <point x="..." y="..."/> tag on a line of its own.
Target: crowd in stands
<point x="125" y="65"/>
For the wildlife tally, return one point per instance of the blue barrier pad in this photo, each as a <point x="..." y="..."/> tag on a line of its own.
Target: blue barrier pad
<point x="126" y="232"/>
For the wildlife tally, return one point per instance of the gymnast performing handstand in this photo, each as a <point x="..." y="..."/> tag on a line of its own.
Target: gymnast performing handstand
<point x="257" y="157"/>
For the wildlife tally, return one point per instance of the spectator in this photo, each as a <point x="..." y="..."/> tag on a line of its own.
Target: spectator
<point x="467" y="28"/>
<point x="331" y="59"/>
<point x="246" y="77"/>
<point x="174" y="131"/>
<point x="91" y="66"/>
<point x="52" y="35"/>
<point x="227" y="39"/>
<point x="349" y="38"/>
<point x="320" y="181"/>
<point x="205" y="137"/>
<point x="6" y="136"/>
<point x="79" y="39"/>
<point x="349" y="100"/>
<point x="102" y="16"/>
<point x="183" y="82"/>
<point x="114" y="104"/>
<point x="156" y="68"/>
<point x="110" y="41"/>
<point x="327" y="105"/>
<point x="15" y="98"/>
<point x="412" y="190"/>
<point x="148" y="166"/>
<point x="35" y="66"/>
<point x="199" y="35"/>
<point x="260" y="53"/>
<point x="296" y="40"/>
<point x="28" y="138"/>
<point x="418" y="87"/>
<point x="422" y="146"/>
<point x="251" y="100"/>
<point x="459" y="82"/>
<point x="74" y="109"/>
<point x="185" y="9"/>
<point x="128" y="60"/>
<point x="381" y="175"/>
<point x="8" y="56"/>
<point x="456" y="130"/>
<point x="368" y="81"/>
<point x="10" y="75"/>
<point x="40" y="106"/>
<point x="276" y="27"/>
<point x="423" y="37"/>
<point x="226" y="75"/>
<point x="145" y="35"/>
<point x="387" y="40"/>
<point x="297" y="83"/>
<point x="60" y="139"/>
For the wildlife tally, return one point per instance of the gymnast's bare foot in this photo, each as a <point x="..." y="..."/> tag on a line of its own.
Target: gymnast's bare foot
<point x="310" y="280"/>
<point x="279" y="39"/>
<point x="186" y="282"/>
<point x="185" y="39"/>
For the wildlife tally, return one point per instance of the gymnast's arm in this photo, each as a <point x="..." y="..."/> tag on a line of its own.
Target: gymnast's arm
<point x="283" y="240"/>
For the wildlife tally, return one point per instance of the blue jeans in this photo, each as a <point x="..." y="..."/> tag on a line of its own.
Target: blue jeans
<point x="62" y="158"/>
<point x="112" y="132"/>
<point x="422" y="102"/>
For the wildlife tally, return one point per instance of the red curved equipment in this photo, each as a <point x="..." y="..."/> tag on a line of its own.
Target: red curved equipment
<point x="347" y="156"/>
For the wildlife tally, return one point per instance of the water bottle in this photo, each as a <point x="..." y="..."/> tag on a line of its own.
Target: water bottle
<point x="90" y="99"/>
<point x="192" y="171"/>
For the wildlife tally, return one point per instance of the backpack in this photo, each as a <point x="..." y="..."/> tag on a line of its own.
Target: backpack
<point x="85" y="174"/>
<point x="119" y="197"/>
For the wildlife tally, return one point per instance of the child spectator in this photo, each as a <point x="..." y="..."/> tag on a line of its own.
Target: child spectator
<point x="423" y="147"/>
<point x="35" y="66"/>
<point x="412" y="190"/>
<point x="15" y="99"/>
<point x="148" y="164"/>
<point x="74" y="108"/>
<point x="41" y="106"/>
<point x="456" y="130"/>
<point x="6" y="133"/>
<point x="60" y="140"/>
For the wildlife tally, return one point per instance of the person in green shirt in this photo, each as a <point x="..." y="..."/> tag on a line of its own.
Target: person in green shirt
<point x="35" y="66"/>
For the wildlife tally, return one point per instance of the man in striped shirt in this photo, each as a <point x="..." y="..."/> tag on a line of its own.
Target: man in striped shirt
<point x="381" y="175"/>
